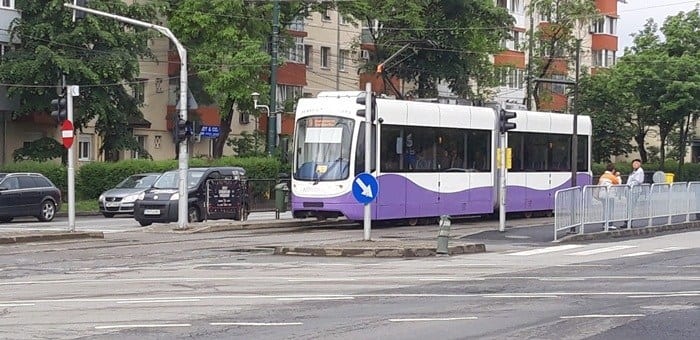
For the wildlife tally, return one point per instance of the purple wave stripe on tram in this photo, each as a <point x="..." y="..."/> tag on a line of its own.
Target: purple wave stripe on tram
<point x="401" y="198"/>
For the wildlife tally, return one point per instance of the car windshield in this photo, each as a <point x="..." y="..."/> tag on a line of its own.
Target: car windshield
<point x="170" y="179"/>
<point x="138" y="181"/>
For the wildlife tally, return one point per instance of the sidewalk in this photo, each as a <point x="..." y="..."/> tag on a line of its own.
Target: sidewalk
<point x="11" y="237"/>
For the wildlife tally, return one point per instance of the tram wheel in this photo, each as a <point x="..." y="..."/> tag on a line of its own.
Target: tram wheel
<point x="413" y="222"/>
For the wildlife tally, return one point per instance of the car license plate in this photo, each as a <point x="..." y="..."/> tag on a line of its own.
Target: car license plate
<point x="112" y="204"/>
<point x="151" y="212"/>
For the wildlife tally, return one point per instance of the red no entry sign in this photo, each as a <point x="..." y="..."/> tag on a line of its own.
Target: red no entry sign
<point x="67" y="133"/>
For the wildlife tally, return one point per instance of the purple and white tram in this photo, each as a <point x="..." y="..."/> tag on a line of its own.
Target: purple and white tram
<point x="433" y="159"/>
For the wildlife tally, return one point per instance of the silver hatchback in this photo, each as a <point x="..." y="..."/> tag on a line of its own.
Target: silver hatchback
<point x="120" y="199"/>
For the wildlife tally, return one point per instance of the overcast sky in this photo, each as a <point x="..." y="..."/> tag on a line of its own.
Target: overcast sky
<point x="634" y="14"/>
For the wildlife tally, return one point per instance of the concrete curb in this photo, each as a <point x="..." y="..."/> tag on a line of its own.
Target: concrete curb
<point x="334" y="251"/>
<point x="48" y="237"/>
<point x="80" y="213"/>
<point x="194" y="228"/>
<point x="630" y="232"/>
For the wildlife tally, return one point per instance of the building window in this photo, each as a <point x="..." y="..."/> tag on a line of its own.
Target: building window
<point x="308" y="49"/>
<point x="141" y="140"/>
<point x="156" y="142"/>
<point x="139" y="90"/>
<point x="7" y="4"/>
<point x="559" y="88"/>
<point x="325" y="57"/>
<point x="4" y="48"/>
<point x="84" y="147"/>
<point x="343" y="21"/>
<point x="244" y="118"/>
<point x="512" y="78"/>
<point x="604" y="58"/>
<point x="296" y="25"/>
<point x="296" y="52"/>
<point x="343" y="57"/>
<point x="513" y="6"/>
<point x="611" y="24"/>
<point x="326" y="14"/>
<point x="515" y="43"/>
<point x="159" y="85"/>
<point x="287" y="96"/>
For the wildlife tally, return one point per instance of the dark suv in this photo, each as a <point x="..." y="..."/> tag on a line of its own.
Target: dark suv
<point x="28" y="194"/>
<point x="159" y="204"/>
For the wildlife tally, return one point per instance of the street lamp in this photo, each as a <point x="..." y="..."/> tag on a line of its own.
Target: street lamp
<point x="271" y="141"/>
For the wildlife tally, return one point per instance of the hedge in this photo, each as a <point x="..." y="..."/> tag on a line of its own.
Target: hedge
<point x="94" y="178"/>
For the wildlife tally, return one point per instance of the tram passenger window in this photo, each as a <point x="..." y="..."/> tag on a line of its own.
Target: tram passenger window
<point x="478" y="150"/>
<point x="450" y="149"/>
<point x="391" y="149"/>
<point x="535" y="152"/>
<point x="515" y="142"/>
<point x="360" y="153"/>
<point x="560" y="153"/>
<point x="582" y="153"/>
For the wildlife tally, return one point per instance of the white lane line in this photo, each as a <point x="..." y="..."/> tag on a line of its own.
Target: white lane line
<point x="583" y="265"/>
<point x="164" y="325"/>
<point x="664" y="295"/>
<point x="641" y="253"/>
<point x="159" y="301"/>
<point x="600" y="250"/>
<point x="545" y="250"/>
<point x="321" y="280"/>
<point x="17" y="304"/>
<point x="474" y="265"/>
<point x="601" y="316"/>
<point x="316" y="298"/>
<point x="434" y="319"/>
<point x="256" y="323"/>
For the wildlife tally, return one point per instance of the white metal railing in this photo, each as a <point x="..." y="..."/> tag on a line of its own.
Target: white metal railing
<point x="602" y="208"/>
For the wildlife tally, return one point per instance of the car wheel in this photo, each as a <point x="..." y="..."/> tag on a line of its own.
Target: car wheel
<point x="6" y="219"/>
<point x="145" y="223"/>
<point x="193" y="214"/>
<point x="108" y="215"/>
<point x="48" y="211"/>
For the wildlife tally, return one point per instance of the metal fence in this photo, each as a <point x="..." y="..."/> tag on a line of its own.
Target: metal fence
<point x="601" y="208"/>
<point x="262" y="195"/>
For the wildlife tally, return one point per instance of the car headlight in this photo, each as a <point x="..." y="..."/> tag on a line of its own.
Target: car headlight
<point x="175" y="196"/>
<point x="101" y="198"/>
<point x="130" y="198"/>
<point x="141" y="196"/>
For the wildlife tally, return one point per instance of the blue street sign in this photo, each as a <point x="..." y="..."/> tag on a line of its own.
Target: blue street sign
<point x="210" y="131"/>
<point x="365" y="188"/>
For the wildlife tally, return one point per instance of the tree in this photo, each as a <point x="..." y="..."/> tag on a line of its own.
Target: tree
<point x="602" y="96"/>
<point x="556" y="41"/>
<point x="98" y="54"/>
<point x="225" y="41"/>
<point x="449" y="41"/>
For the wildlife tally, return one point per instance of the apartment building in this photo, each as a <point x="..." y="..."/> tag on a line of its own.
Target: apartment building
<point x="599" y="46"/>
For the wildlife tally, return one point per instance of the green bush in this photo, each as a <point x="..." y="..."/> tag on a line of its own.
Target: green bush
<point x="55" y="172"/>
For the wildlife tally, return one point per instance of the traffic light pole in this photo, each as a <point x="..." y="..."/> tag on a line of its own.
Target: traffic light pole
<point x="183" y="156"/>
<point x="368" y="156"/>
<point x="72" y="90"/>
<point x="502" y="186"/>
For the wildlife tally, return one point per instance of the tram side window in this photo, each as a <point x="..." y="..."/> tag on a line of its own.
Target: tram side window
<point x="515" y="142"/>
<point x="391" y="147"/>
<point x="535" y="152"/>
<point x="478" y="150"/>
<point x="582" y="153"/>
<point x="559" y="153"/>
<point x="360" y="153"/>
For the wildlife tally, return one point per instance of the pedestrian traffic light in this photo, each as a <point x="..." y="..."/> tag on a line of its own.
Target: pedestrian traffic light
<point x="504" y="124"/>
<point x="362" y="100"/>
<point x="59" y="109"/>
<point x="183" y="130"/>
<point x="78" y="14"/>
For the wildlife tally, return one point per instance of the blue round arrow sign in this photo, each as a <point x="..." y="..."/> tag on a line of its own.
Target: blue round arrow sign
<point x="365" y="188"/>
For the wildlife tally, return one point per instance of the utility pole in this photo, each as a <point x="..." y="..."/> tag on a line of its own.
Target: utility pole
<point x="528" y="90"/>
<point x="271" y="119"/>
<point x="574" y="137"/>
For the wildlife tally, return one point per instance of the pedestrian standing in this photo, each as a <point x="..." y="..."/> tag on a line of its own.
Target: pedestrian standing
<point x="635" y="179"/>
<point x="609" y="178"/>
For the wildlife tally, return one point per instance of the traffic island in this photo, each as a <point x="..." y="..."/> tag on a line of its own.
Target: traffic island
<point x="377" y="249"/>
<point x="12" y="238"/>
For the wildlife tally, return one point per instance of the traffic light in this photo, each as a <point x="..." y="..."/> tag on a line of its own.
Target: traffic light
<point x="183" y="130"/>
<point x="504" y="124"/>
<point x="78" y="14"/>
<point x="59" y="109"/>
<point x="362" y="100"/>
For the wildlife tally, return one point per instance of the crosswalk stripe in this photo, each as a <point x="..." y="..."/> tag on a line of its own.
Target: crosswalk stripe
<point x="545" y="250"/>
<point x="600" y="250"/>
<point x="641" y="253"/>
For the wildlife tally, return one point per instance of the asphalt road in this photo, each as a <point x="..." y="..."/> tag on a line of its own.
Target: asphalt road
<point x="214" y="286"/>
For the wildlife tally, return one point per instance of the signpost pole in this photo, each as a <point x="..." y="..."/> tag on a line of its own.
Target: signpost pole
<point x="368" y="151"/>
<point x="72" y="91"/>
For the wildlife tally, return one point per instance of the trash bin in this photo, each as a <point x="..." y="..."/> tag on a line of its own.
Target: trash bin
<point x="281" y="197"/>
<point x="669" y="177"/>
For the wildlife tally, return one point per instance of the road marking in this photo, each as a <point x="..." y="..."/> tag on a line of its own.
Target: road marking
<point x="434" y="319"/>
<point x="159" y="301"/>
<point x="606" y="316"/>
<point x="17" y="304"/>
<point x="664" y="295"/>
<point x="145" y="326"/>
<point x="669" y="307"/>
<point x="520" y="237"/>
<point x="583" y="265"/>
<point x="256" y="323"/>
<point x="316" y="298"/>
<point x="546" y="250"/>
<point x="600" y="250"/>
<point x="321" y="280"/>
<point x="641" y="253"/>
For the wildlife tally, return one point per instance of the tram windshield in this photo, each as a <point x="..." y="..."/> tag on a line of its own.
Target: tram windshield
<point x="323" y="148"/>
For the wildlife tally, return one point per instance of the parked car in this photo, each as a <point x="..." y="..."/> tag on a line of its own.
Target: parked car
<point x="120" y="199"/>
<point x="28" y="194"/>
<point x="160" y="203"/>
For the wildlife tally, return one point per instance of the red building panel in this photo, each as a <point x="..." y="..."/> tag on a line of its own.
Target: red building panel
<point x="607" y="7"/>
<point x="292" y="74"/>
<point x="510" y="58"/>
<point x="603" y="42"/>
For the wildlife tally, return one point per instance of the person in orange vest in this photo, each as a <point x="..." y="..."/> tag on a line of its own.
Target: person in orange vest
<point x="609" y="178"/>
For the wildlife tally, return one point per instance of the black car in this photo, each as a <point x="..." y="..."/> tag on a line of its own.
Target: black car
<point x="160" y="203"/>
<point x="28" y="194"/>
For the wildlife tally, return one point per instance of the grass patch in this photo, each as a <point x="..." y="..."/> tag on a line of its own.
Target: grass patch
<point x="82" y="206"/>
